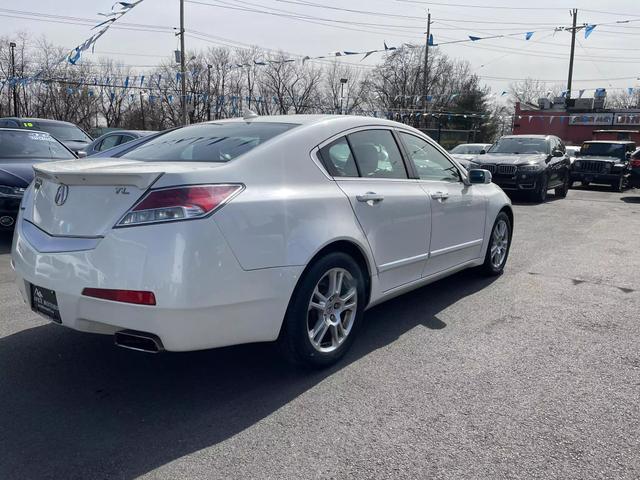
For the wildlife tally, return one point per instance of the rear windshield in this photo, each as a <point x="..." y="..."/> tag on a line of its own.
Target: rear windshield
<point x="603" y="150"/>
<point x="518" y="145"/>
<point x="212" y="142"/>
<point x="31" y="145"/>
<point x="62" y="131"/>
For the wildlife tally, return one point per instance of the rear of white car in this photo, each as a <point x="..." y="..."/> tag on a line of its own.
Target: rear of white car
<point x="248" y="231"/>
<point x="127" y="245"/>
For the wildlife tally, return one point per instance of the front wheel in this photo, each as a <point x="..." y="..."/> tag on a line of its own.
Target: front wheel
<point x="499" y="245"/>
<point x="324" y="312"/>
<point x="540" y="194"/>
<point x="618" y="185"/>
<point x="562" y="190"/>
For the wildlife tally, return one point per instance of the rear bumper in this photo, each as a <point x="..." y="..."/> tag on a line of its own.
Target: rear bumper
<point x="204" y="298"/>
<point x="634" y="178"/>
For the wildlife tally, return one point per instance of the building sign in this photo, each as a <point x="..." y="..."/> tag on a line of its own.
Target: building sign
<point x="627" y="119"/>
<point x="591" y="119"/>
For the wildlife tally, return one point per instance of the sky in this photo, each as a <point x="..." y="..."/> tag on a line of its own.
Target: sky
<point x="608" y="58"/>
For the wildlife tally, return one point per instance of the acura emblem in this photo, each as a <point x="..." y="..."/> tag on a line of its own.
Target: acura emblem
<point x="62" y="194"/>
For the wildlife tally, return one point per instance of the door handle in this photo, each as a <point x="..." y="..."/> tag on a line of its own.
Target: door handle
<point x="442" y="196"/>
<point x="370" y="198"/>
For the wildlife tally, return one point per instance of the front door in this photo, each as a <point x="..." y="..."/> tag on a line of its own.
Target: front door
<point x="458" y="210"/>
<point x="393" y="210"/>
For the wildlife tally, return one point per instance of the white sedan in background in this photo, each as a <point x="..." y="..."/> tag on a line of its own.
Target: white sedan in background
<point x="251" y="230"/>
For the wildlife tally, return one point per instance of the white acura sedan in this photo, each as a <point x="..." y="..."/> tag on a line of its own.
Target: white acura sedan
<point x="252" y="230"/>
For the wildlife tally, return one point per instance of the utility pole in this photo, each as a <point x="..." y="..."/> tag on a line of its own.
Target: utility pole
<point x="144" y="127"/>
<point x="209" y="67"/>
<point x="183" y="96"/>
<point x="12" y="45"/>
<point x="425" y="75"/>
<point x="342" y="82"/>
<point x="574" y="13"/>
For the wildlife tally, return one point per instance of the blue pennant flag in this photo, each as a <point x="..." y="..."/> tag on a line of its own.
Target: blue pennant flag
<point x="474" y="39"/>
<point x="630" y="90"/>
<point x="588" y="29"/>
<point x="528" y="35"/>
<point x="430" y="42"/>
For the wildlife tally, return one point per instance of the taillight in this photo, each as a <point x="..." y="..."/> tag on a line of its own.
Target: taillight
<point x="126" y="296"/>
<point x="635" y="163"/>
<point x="180" y="203"/>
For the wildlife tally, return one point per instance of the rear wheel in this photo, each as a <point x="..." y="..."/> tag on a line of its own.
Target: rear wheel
<point x="499" y="245"/>
<point x="324" y="312"/>
<point x="585" y="184"/>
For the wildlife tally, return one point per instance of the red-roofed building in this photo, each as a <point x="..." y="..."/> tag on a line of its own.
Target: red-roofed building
<point x="575" y="126"/>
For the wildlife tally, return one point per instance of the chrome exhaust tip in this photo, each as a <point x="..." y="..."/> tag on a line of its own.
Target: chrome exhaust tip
<point x="139" y="341"/>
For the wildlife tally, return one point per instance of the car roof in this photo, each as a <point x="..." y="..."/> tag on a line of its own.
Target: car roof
<point x="140" y="132"/>
<point x="23" y="130"/>
<point x="528" y="136"/>
<point x="38" y="120"/>
<point x="619" y="142"/>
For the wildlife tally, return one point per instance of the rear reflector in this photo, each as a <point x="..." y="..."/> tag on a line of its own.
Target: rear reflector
<point x="180" y="203"/>
<point x="126" y="296"/>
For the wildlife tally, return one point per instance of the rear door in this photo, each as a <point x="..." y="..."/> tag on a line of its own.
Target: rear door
<point x="458" y="210"/>
<point x="392" y="209"/>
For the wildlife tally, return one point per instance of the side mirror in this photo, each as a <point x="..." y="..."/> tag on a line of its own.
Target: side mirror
<point x="483" y="152"/>
<point x="478" y="175"/>
<point x="81" y="154"/>
<point x="557" y="153"/>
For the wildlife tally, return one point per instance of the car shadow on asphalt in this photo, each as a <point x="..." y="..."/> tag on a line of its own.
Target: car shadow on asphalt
<point x="5" y="242"/>
<point x="631" y="199"/>
<point x="74" y="405"/>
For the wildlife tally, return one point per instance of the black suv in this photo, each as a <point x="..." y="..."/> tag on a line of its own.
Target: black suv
<point x="603" y="161"/>
<point x="529" y="163"/>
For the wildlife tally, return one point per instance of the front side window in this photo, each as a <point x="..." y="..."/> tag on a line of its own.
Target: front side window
<point x="377" y="154"/>
<point x="211" y="142"/>
<point x="429" y="162"/>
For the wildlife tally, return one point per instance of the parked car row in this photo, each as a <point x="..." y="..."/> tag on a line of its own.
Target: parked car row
<point x="538" y="163"/>
<point x="25" y="142"/>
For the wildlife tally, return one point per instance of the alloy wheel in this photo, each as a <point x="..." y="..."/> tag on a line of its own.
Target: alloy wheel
<point x="499" y="244"/>
<point x="332" y="310"/>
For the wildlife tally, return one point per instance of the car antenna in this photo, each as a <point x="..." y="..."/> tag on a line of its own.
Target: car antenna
<point x="249" y="114"/>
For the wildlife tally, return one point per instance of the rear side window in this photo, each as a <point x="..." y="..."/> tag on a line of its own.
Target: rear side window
<point x="377" y="154"/>
<point x="338" y="159"/>
<point x="211" y="142"/>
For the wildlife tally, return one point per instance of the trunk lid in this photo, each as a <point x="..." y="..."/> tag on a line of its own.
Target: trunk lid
<point x="86" y="198"/>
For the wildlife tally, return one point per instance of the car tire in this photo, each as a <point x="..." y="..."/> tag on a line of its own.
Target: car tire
<point x="335" y="324"/>
<point x="618" y="186"/>
<point x="540" y="194"/>
<point x="585" y="184"/>
<point x="561" y="191"/>
<point x="499" y="245"/>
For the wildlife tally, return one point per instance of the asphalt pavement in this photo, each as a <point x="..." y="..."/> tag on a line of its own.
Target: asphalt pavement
<point x="533" y="375"/>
